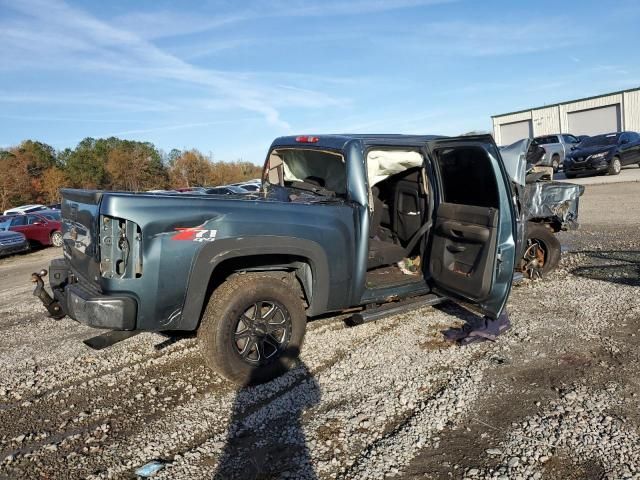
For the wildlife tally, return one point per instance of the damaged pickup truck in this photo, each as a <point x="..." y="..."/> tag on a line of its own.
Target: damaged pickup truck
<point x="331" y="230"/>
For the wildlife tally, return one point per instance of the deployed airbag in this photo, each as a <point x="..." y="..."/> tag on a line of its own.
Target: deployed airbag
<point x="381" y="164"/>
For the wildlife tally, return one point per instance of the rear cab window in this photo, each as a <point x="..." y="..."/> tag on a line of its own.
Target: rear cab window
<point x="289" y="167"/>
<point x="546" y="140"/>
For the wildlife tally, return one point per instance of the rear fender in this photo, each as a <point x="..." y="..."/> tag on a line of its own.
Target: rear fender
<point x="213" y="254"/>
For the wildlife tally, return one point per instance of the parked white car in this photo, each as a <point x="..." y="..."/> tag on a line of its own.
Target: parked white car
<point x="24" y="209"/>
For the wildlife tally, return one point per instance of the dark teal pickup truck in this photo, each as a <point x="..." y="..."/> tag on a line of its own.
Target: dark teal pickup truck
<point x="327" y="232"/>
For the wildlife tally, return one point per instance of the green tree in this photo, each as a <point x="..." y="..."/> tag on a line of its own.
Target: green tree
<point x="85" y="166"/>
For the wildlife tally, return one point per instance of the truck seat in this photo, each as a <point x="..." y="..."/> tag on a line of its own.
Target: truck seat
<point x="376" y="215"/>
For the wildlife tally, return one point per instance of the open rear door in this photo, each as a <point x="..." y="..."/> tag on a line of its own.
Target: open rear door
<point x="473" y="239"/>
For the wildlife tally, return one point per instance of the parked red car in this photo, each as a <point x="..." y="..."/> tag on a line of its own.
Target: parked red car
<point x="43" y="228"/>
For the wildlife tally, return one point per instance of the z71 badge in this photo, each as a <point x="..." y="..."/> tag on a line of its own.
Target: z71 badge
<point x="195" y="234"/>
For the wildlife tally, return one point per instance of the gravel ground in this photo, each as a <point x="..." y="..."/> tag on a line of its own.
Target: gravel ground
<point x="558" y="396"/>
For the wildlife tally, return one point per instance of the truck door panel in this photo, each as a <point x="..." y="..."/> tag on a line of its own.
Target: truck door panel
<point x="465" y="239"/>
<point x="473" y="238"/>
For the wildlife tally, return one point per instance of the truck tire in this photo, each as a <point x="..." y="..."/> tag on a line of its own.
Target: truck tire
<point x="615" y="166"/>
<point x="542" y="251"/>
<point x="555" y="162"/>
<point x="252" y="329"/>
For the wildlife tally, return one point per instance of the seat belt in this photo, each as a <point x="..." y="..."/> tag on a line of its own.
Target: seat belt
<point x="423" y="229"/>
<point x="417" y="236"/>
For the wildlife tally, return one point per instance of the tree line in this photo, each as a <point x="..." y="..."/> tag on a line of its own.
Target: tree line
<point x="34" y="172"/>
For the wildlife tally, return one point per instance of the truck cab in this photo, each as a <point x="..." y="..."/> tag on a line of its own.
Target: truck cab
<point x="335" y="220"/>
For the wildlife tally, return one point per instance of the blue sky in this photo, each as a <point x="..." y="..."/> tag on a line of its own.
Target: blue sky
<point x="227" y="77"/>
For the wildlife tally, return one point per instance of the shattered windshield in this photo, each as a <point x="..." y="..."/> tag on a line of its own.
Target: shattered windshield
<point x="315" y="170"/>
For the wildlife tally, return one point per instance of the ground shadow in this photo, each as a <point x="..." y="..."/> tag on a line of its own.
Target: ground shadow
<point x="615" y="266"/>
<point x="264" y="443"/>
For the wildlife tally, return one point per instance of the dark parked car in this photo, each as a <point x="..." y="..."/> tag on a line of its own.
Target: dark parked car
<point x="38" y="229"/>
<point x="250" y="187"/>
<point x="191" y="190"/>
<point x="228" y="190"/>
<point x="603" y="154"/>
<point x="12" y="242"/>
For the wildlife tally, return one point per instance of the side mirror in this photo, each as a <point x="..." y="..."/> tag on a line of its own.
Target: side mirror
<point x="574" y="146"/>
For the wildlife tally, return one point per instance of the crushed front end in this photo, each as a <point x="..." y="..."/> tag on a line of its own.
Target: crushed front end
<point x="553" y="203"/>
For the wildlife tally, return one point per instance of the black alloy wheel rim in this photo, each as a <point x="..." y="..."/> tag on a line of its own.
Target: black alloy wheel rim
<point x="262" y="332"/>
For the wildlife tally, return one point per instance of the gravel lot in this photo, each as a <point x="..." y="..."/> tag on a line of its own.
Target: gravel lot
<point x="558" y="396"/>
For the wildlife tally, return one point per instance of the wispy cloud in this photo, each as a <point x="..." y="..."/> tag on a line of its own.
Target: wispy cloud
<point x="171" y="23"/>
<point x="167" y="128"/>
<point x="341" y="7"/>
<point x="70" y="38"/>
<point x="109" y="101"/>
<point x="486" y="38"/>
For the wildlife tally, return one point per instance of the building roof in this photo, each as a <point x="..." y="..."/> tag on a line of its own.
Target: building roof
<point x="565" y="103"/>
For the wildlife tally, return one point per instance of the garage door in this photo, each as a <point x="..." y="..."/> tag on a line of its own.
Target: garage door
<point x="512" y="132"/>
<point x="595" y="121"/>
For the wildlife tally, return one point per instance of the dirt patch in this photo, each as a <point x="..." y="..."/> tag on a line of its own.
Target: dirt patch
<point x="562" y="467"/>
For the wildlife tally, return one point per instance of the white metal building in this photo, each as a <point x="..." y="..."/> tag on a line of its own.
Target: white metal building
<point x="586" y="116"/>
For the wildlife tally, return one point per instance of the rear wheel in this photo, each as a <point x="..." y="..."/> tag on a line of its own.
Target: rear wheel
<point x="615" y="166"/>
<point x="542" y="251"/>
<point x="56" y="238"/>
<point x="252" y="329"/>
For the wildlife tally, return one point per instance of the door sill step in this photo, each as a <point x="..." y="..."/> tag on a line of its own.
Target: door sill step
<point x="388" y="309"/>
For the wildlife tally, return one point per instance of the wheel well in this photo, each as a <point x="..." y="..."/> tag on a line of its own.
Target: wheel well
<point x="550" y="223"/>
<point x="293" y="269"/>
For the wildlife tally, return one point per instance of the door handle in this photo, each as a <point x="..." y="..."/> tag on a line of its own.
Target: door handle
<point x="469" y="233"/>
<point x="456" y="248"/>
